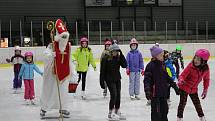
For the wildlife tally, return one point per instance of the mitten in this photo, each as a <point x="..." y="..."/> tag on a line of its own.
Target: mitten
<point x="148" y="95"/>
<point x="128" y="72"/>
<point x="142" y="72"/>
<point x="8" y="60"/>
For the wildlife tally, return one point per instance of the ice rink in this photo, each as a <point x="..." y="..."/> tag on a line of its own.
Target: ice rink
<point x="95" y="107"/>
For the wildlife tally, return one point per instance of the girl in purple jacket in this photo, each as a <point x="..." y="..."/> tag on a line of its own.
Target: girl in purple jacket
<point x="135" y="67"/>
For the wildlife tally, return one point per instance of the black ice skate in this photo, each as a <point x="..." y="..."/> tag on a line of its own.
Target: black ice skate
<point x="105" y="92"/>
<point x="65" y="113"/>
<point x="42" y="113"/>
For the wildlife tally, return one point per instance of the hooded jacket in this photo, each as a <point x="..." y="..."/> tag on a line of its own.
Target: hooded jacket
<point x="84" y="57"/>
<point x="135" y="61"/>
<point x="191" y="77"/>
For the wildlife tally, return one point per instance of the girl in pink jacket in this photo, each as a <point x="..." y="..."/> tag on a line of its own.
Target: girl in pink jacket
<point x="193" y="74"/>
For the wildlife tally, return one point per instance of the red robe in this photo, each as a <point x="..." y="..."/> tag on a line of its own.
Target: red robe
<point x="62" y="64"/>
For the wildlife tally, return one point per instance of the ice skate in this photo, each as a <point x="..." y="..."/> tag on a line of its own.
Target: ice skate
<point x="83" y="96"/>
<point x="113" y="117"/>
<point x="105" y="92"/>
<point x="132" y="97"/>
<point x="121" y="115"/>
<point x="33" y="102"/>
<point x="27" y="102"/>
<point x="15" y="91"/>
<point x="65" y="113"/>
<point x="202" y="118"/>
<point x="148" y="102"/>
<point x="18" y="90"/>
<point x="179" y="119"/>
<point x="137" y="97"/>
<point x="42" y="113"/>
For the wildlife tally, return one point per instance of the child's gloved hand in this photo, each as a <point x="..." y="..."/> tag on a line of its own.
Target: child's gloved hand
<point x="142" y="72"/>
<point x="204" y="94"/>
<point x="148" y="95"/>
<point x="128" y="72"/>
<point x="8" y="60"/>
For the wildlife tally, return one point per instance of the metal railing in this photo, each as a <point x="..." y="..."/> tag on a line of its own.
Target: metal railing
<point x="99" y="30"/>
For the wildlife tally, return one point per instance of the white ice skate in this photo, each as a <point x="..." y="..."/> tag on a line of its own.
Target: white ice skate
<point x="113" y="117"/>
<point x="27" y="102"/>
<point x="137" y="97"/>
<point x="83" y="96"/>
<point x="202" y="118"/>
<point x="33" y="102"/>
<point x="121" y="115"/>
<point x="179" y="119"/>
<point x="148" y="102"/>
<point x="132" y="97"/>
<point x="15" y="91"/>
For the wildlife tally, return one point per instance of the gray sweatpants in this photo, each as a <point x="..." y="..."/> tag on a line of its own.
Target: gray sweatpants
<point x="134" y="83"/>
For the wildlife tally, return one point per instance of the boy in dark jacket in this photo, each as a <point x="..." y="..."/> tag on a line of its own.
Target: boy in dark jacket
<point x="110" y="73"/>
<point x="156" y="81"/>
<point x="170" y="70"/>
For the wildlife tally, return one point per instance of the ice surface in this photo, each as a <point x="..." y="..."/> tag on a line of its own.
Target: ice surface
<point x="95" y="108"/>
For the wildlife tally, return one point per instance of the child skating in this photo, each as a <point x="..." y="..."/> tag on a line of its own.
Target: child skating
<point x="84" y="56"/>
<point x="104" y="53"/>
<point x="193" y="74"/>
<point x="17" y="61"/>
<point x="156" y="81"/>
<point x="170" y="70"/>
<point x="27" y="72"/>
<point x="110" y="73"/>
<point x="177" y="55"/>
<point x="134" y="69"/>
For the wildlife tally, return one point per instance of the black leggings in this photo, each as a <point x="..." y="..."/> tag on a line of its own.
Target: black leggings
<point x="183" y="100"/>
<point x="159" y="109"/>
<point x="168" y="93"/>
<point x="115" y="90"/>
<point x="82" y="75"/>
<point x="177" y="67"/>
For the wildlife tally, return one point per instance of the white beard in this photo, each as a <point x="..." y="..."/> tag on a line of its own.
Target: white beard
<point x="62" y="41"/>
